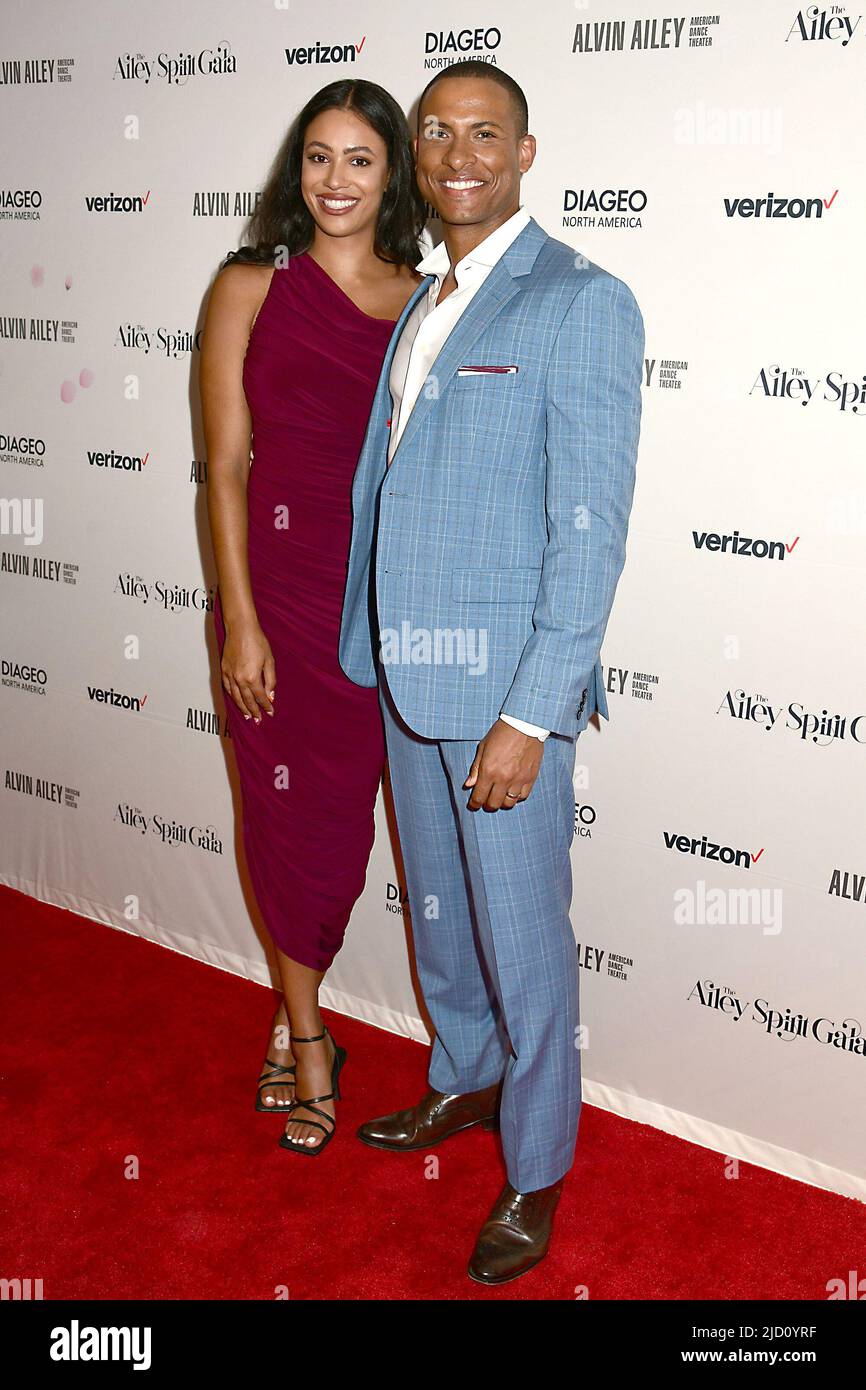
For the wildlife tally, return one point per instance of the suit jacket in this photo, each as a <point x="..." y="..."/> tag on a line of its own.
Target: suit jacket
<point x="483" y="563"/>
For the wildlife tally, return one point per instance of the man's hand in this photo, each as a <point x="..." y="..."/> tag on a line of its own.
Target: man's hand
<point x="504" y="769"/>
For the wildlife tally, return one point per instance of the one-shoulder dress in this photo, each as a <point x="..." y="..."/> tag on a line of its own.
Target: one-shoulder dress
<point x="309" y="775"/>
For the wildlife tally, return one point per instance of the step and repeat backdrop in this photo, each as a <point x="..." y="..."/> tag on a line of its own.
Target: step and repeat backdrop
<point x="715" y="162"/>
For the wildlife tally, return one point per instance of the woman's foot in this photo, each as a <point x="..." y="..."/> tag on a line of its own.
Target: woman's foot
<point x="315" y="1063"/>
<point x="281" y="1093"/>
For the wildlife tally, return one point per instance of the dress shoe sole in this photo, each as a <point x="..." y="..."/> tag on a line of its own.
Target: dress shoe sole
<point x="489" y="1123"/>
<point x="505" y="1278"/>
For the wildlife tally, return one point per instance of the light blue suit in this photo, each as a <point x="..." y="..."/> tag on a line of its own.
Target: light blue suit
<point x="481" y="575"/>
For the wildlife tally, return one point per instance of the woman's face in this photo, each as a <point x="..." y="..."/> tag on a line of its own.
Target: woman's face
<point x="344" y="170"/>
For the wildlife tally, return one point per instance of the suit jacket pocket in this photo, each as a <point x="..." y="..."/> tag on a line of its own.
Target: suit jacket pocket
<point x="495" y="586"/>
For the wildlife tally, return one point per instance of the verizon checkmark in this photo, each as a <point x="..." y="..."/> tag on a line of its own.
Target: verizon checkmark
<point x="148" y="195"/>
<point x="790" y="547"/>
<point x="144" y="699"/>
<point x="359" y="46"/>
<point x="756" y="857"/>
<point x="832" y="200"/>
<point x="147" y="456"/>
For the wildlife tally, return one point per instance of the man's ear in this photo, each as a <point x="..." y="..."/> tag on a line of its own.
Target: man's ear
<point x="527" y="153"/>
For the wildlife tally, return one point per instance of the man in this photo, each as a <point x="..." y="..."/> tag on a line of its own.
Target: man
<point x="489" y="535"/>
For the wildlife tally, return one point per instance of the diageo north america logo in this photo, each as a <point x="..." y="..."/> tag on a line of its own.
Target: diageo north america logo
<point x="23" y="676"/>
<point x="603" y="207"/>
<point x="28" y="450"/>
<point x="20" y="204"/>
<point x="444" y="47"/>
<point x="396" y="899"/>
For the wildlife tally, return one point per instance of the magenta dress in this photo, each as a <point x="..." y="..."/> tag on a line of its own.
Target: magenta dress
<point x="309" y="775"/>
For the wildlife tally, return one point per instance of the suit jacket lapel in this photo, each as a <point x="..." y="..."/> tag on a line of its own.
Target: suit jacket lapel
<point x="501" y="284"/>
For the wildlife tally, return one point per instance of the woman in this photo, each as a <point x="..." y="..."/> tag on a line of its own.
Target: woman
<point x="292" y="349"/>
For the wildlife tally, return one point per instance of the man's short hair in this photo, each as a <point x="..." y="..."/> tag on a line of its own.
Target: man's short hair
<point x="474" y="67"/>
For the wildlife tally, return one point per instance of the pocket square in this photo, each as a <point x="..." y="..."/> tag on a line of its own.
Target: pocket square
<point x="494" y="370"/>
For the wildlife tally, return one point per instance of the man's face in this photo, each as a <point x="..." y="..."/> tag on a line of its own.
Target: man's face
<point x="469" y="155"/>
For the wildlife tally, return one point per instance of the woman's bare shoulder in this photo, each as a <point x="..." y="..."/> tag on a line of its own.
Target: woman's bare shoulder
<point x="242" y="281"/>
<point x="238" y="292"/>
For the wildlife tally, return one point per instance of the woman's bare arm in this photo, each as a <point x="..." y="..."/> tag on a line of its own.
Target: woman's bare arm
<point x="237" y="294"/>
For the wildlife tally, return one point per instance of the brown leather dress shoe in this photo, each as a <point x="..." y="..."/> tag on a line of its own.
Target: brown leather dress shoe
<point x="515" y="1235"/>
<point x="433" y="1119"/>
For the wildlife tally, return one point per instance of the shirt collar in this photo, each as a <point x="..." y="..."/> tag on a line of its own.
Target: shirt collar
<point x="486" y="253"/>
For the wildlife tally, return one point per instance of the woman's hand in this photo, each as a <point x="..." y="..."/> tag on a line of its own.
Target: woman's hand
<point x="248" y="671"/>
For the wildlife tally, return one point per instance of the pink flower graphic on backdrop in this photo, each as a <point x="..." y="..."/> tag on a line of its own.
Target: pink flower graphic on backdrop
<point x="37" y="276"/>
<point x="68" y="389"/>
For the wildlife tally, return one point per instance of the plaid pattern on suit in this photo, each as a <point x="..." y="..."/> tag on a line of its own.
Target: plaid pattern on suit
<point x="503" y="516"/>
<point x="481" y="575"/>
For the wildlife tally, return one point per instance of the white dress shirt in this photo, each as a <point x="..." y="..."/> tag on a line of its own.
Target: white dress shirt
<point x="425" y="332"/>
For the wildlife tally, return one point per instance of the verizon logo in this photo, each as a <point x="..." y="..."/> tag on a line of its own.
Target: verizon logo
<point x="325" y="53"/>
<point x="771" y="206"/>
<point x="735" y="544"/>
<point x="116" y="202"/>
<point x="708" y="849"/>
<point x="127" y="463"/>
<point x="117" y="699"/>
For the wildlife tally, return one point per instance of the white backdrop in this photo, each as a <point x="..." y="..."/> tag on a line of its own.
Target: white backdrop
<point x="731" y="1018"/>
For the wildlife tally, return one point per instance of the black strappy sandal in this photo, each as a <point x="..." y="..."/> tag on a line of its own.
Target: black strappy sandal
<point x="266" y="1081"/>
<point x="312" y="1103"/>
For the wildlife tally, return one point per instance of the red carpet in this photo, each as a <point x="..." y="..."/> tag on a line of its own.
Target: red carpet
<point x="114" y="1047"/>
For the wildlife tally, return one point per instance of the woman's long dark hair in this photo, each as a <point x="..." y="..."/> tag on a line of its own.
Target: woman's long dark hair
<point x="282" y="222"/>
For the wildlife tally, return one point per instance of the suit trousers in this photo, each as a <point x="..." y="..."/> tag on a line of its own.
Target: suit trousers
<point x="489" y="893"/>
